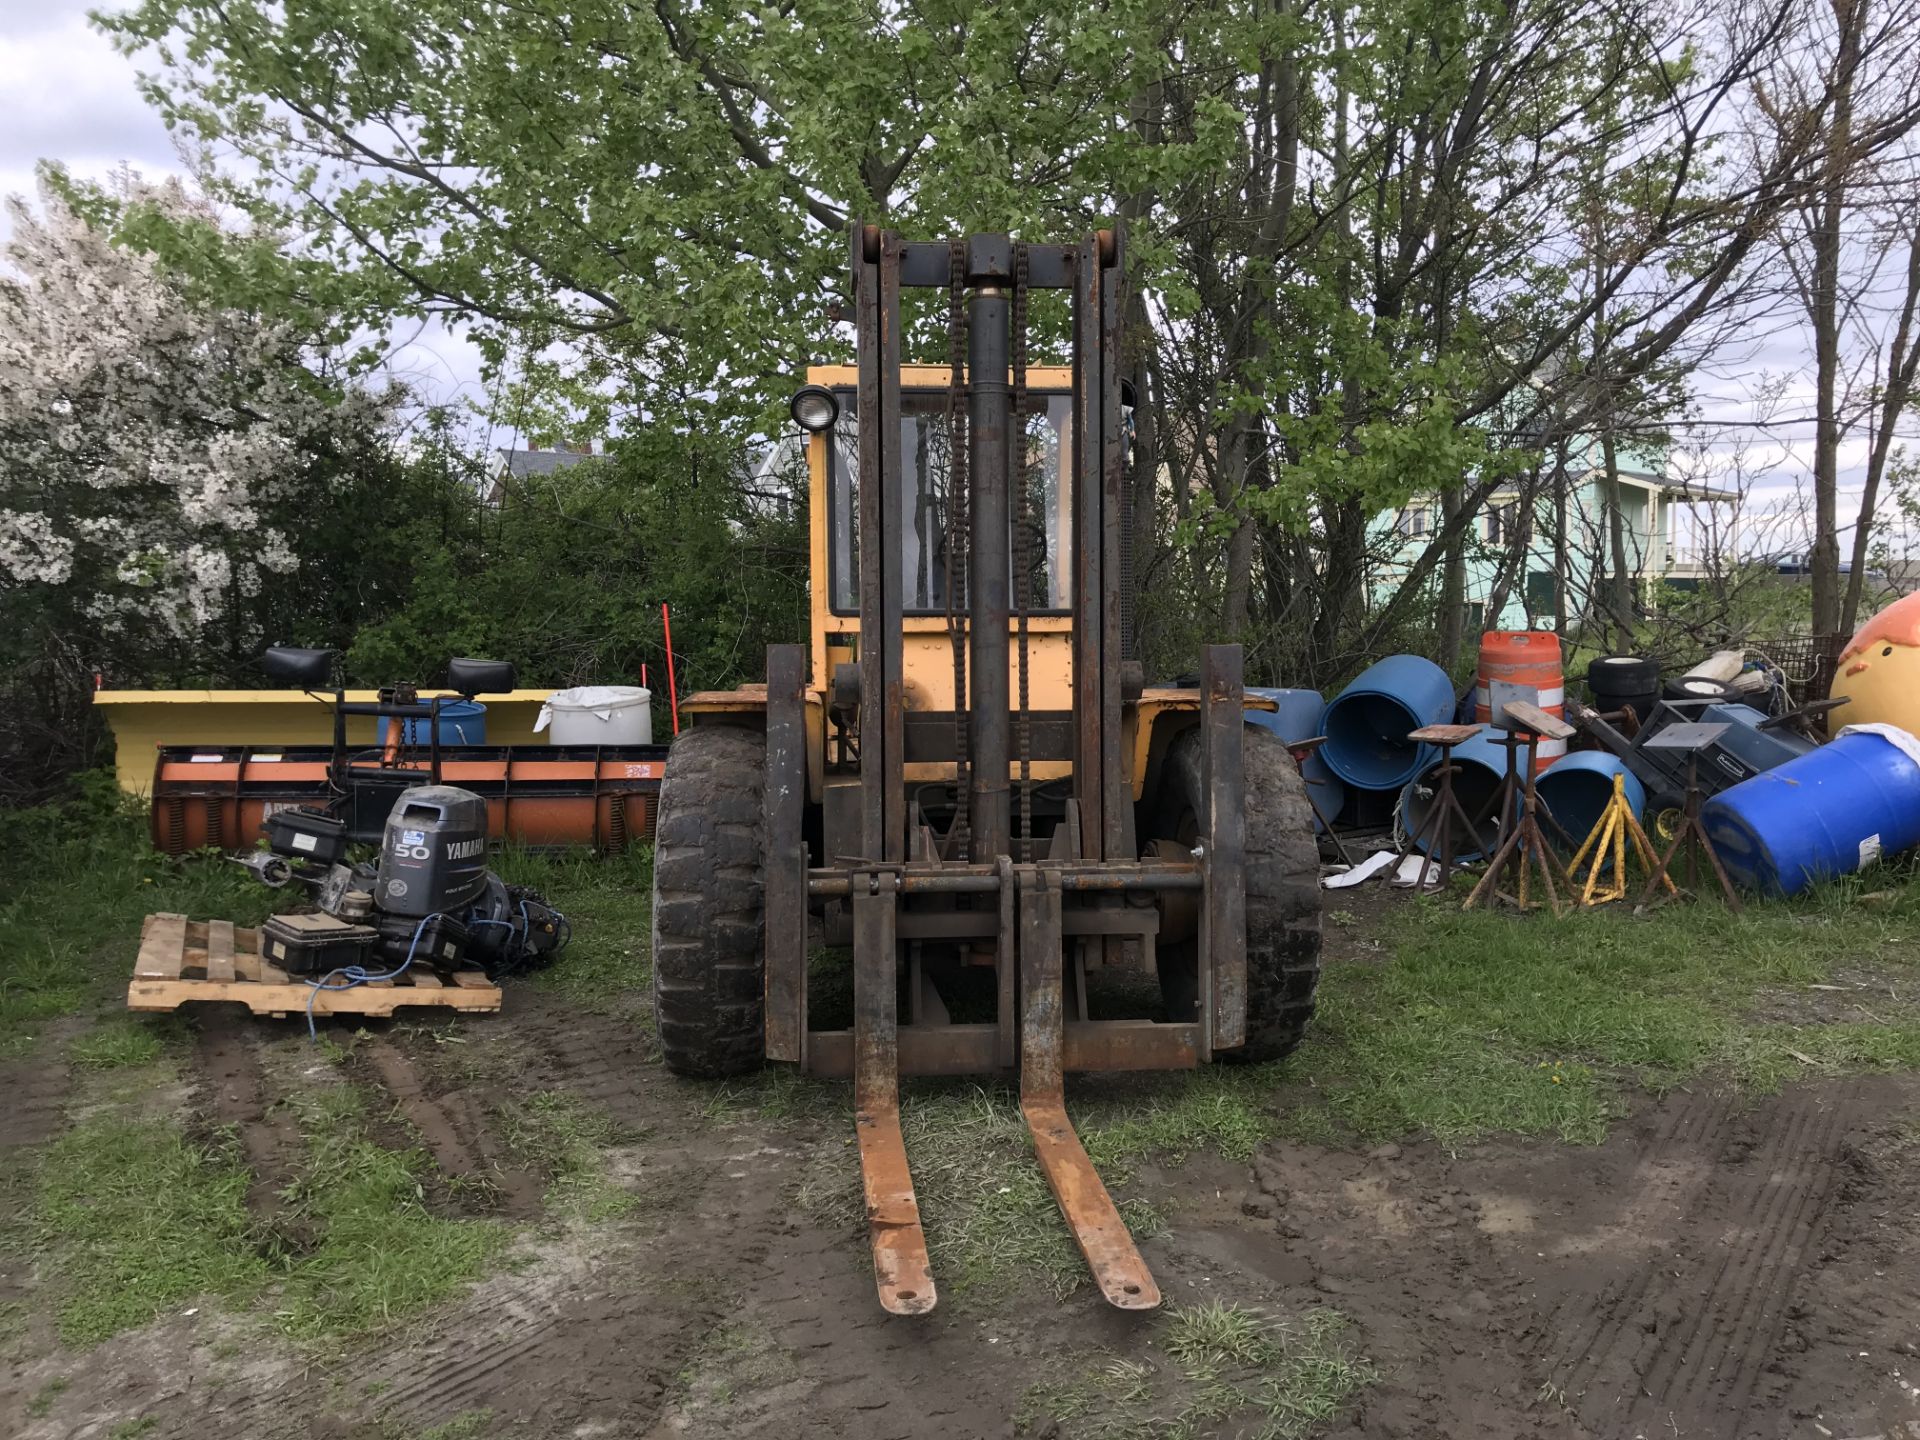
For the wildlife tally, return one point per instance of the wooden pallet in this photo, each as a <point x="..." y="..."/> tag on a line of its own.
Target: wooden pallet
<point x="184" y="960"/>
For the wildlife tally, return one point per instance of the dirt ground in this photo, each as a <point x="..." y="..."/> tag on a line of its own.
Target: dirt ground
<point x="1719" y="1267"/>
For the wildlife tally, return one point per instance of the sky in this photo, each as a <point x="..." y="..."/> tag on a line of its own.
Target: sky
<point x="67" y="95"/>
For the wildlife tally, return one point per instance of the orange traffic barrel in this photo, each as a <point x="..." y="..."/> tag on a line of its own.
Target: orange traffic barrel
<point x="1522" y="665"/>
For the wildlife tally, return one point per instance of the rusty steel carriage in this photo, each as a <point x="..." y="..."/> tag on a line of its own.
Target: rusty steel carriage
<point x="964" y="775"/>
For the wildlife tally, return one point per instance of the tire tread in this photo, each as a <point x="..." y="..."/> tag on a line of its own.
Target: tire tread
<point x="709" y="904"/>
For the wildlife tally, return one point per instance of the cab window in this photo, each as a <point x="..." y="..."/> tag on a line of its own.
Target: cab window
<point x="1043" y="503"/>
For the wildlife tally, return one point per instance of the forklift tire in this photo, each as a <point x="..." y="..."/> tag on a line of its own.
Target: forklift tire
<point x="1283" y="893"/>
<point x="709" y="903"/>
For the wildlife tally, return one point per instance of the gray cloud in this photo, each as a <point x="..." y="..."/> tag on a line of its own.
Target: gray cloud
<point x="71" y="97"/>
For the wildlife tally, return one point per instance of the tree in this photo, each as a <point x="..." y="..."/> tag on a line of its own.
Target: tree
<point x="566" y="575"/>
<point x="663" y="190"/>
<point x="1357" y="223"/>
<point x="1439" y="241"/>
<point x="1855" y="217"/>
<point x="154" y="454"/>
<point x="164" y="464"/>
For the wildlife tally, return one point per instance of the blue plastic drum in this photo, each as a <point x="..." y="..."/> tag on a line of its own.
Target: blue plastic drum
<point x="1368" y="722"/>
<point x="1297" y="719"/>
<point x="462" y="722"/>
<point x="1575" y="790"/>
<point x="1831" y="812"/>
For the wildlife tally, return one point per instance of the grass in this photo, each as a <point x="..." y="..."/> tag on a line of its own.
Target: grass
<point x="467" y="1425"/>
<point x="1486" y="1022"/>
<point x="606" y="966"/>
<point x="75" y="880"/>
<point x="43" y="1398"/>
<point x="567" y="1139"/>
<point x="1227" y="1370"/>
<point x="381" y="1254"/>
<point x="121" y="1044"/>
<point x="138" y="1219"/>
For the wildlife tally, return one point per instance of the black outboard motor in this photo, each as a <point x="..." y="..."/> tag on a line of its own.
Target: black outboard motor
<point x="433" y="859"/>
<point x="428" y="899"/>
<point x="432" y="868"/>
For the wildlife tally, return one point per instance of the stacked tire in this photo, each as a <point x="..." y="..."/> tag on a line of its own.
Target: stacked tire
<point x="1625" y="682"/>
<point x="1699" y="687"/>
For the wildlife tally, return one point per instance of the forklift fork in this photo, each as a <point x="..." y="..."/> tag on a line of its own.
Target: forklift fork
<point x="1089" y="1211"/>
<point x="901" y="1271"/>
<point x="900" y="1267"/>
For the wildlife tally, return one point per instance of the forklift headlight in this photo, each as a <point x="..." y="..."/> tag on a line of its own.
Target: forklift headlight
<point x="814" y="408"/>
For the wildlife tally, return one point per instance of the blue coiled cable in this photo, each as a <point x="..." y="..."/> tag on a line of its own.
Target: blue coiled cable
<point x="360" y="975"/>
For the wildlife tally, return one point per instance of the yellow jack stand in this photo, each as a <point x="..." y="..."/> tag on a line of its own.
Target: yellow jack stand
<point x="1608" y="844"/>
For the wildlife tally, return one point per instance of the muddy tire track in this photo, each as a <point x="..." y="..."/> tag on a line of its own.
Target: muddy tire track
<point x="1687" y="1339"/>
<point x="236" y="1093"/>
<point x="1592" y="1322"/>
<point x="37" y="1088"/>
<point x="606" y="1062"/>
<point x="454" y="1126"/>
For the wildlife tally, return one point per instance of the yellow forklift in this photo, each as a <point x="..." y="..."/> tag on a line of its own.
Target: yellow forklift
<point x="964" y="775"/>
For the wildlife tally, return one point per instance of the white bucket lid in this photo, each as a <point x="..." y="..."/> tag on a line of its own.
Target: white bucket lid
<point x="601" y="700"/>
<point x="598" y="697"/>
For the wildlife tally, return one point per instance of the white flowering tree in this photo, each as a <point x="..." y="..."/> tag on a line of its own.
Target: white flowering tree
<point x="157" y="453"/>
<point x="178" y="482"/>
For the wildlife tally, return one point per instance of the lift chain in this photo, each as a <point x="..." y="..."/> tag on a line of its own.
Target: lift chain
<point x="1022" y="543"/>
<point x="957" y="535"/>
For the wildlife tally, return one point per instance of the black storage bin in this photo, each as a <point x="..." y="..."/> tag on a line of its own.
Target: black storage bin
<point x="315" y="944"/>
<point x="307" y="835"/>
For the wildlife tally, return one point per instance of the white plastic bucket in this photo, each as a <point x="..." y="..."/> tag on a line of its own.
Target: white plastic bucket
<point x="598" y="715"/>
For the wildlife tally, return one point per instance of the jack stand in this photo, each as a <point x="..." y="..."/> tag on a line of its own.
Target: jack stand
<point x="1691" y="833"/>
<point x="1438" y="826"/>
<point x="1526" y="844"/>
<point x="1608" y="842"/>
<point x="1302" y="751"/>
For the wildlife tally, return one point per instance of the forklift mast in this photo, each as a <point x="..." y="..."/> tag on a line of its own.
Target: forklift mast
<point x="987" y="279"/>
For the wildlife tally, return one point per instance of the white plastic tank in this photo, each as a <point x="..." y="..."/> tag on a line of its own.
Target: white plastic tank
<point x="598" y="715"/>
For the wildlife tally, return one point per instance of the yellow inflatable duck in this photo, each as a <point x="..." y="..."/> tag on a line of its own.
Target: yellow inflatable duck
<point x="1879" y="672"/>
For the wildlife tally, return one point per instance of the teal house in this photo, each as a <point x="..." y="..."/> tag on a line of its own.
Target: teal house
<point x="1672" y="530"/>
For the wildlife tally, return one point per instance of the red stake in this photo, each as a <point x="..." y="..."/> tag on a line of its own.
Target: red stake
<point x="673" y="693"/>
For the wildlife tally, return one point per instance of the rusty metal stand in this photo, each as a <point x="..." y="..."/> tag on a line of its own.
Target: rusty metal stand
<point x="1437" y="828"/>
<point x="1691" y="834"/>
<point x="1526" y="843"/>
<point x="1302" y="751"/>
